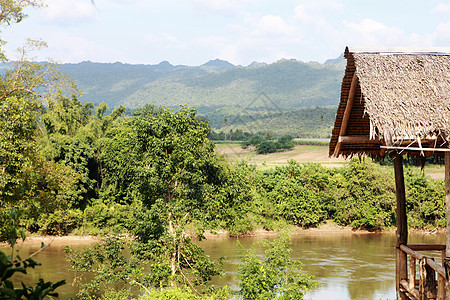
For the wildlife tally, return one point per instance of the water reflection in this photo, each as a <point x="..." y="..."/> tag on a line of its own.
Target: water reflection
<point x="348" y="266"/>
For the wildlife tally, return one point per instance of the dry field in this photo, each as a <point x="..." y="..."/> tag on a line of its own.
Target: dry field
<point x="301" y="154"/>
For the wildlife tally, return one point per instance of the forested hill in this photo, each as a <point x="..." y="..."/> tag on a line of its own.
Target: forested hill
<point x="289" y="84"/>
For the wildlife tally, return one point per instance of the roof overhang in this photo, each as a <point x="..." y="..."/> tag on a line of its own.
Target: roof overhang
<point x="398" y="50"/>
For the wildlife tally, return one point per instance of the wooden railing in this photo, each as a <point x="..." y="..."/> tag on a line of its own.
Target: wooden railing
<point x="426" y="287"/>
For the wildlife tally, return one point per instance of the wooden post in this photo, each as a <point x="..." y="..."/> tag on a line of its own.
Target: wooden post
<point x="427" y="282"/>
<point x="412" y="272"/>
<point x="441" y="287"/>
<point x="401" y="271"/>
<point x="447" y="203"/>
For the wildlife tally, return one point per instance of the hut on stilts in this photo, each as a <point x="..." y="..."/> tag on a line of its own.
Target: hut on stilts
<point x="395" y="102"/>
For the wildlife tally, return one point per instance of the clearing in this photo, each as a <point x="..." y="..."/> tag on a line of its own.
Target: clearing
<point x="300" y="153"/>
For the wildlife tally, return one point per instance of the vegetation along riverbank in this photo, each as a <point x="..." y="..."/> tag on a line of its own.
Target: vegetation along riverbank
<point x="147" y="182"/>
<point x="156" y="177"/>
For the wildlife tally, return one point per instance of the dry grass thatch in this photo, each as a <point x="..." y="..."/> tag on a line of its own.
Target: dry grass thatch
<point x="400" y="96"/>
<point x="406" y="96"/>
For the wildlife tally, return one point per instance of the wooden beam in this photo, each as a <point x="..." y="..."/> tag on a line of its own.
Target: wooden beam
<point x="416" y="149"/>
<point x="426" y="247"/>
<point x="441" y="288"/>
<point x="447" y="204"/>
<point x="413" y="293"/>
<point x="348" y="109"/>
<point x="354" y="139"/>
<point x="401" y="271"/>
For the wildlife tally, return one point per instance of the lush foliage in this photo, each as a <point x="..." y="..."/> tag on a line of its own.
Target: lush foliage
<point x="105" y="264"/>
<point x="275" y="276"/>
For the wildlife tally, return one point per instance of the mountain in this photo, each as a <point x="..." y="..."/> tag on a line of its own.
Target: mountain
<point x="288" y="84"/>
<point x="256" y="64"/>
<point x="336" y="61"/>
<point x="218" y="65"/>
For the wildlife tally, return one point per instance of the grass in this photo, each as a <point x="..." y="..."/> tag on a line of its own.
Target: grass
<point x="435" y="171"/>
<point x="300" y="153"/>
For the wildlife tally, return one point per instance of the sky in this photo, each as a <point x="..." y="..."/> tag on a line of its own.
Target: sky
<point x="192" y="32"/>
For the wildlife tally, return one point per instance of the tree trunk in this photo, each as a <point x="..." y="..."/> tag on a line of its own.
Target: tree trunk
<point x="173" y="259"/>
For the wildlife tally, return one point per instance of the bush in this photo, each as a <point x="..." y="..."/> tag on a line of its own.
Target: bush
<point x="425" y="200"/>
<point x="366" y="197"/>
<point x="276" y="276"/>
<point x="266" y="147"/>
<point x="184" y="293"/>
<point x="60" y="222"/>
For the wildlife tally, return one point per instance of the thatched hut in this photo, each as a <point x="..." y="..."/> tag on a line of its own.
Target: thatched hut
<point x="393" y="102"/>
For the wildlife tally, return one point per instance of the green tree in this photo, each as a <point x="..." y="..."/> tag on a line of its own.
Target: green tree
<point x="165" y="161"/>
<point x="12" y="12"/>
<point x="173" y="163"/>
<point x="26" y="180"/>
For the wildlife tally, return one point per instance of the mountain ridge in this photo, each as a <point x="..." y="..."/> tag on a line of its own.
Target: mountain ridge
<point x="288" y="83"/>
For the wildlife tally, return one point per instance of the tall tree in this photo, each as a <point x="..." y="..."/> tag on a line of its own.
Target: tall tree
<point x="24" y="175"/>
<point x="164" y="159"/>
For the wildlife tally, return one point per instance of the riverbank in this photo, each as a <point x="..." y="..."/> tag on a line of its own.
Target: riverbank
<point x="56" y="240"/>
<point x="328" y="228"/>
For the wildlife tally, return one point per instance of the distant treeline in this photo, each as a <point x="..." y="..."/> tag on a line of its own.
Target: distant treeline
<point x="235" y="124"/>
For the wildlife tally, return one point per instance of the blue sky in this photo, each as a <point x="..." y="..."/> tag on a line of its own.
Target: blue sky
<point x="191" y="32"/>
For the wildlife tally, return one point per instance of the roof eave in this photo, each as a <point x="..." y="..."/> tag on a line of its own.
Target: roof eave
<point x="398" y="50"/>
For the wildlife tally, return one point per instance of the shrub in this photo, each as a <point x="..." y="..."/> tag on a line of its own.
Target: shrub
<point x="276" y="276"/>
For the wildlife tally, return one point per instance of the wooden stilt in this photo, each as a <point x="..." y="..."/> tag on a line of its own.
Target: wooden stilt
<point x="401" y="271"/>
<point x="447" y="203"/>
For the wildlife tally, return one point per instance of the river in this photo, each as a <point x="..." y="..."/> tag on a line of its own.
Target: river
<point x="347" y="265"/>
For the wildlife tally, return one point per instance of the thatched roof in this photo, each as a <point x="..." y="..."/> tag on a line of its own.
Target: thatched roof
<point x="399" y="98"/>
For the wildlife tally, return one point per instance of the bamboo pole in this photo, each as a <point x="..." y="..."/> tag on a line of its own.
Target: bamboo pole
<point x="401" y="271"/>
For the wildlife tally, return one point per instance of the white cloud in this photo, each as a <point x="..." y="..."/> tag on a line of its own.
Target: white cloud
<point x="68" y="10"/>
<point x="418" y="40"/>
<point x="275" y="26"/>
<point x="308" y="11"/>
<point x="314" y="16"/>
<point x="369" y="32"/>
<point x="229" y="53"/>
<point x="441" y="35"/>
<point x="223" y="6"/>
<point x="267" y="38"/>
<point x="69" y="48"/>
<point x="441" y="8"/>
<point x="163" y="40"/>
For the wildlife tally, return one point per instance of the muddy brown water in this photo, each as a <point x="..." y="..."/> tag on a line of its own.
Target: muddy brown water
<point x="347" y="265"/>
